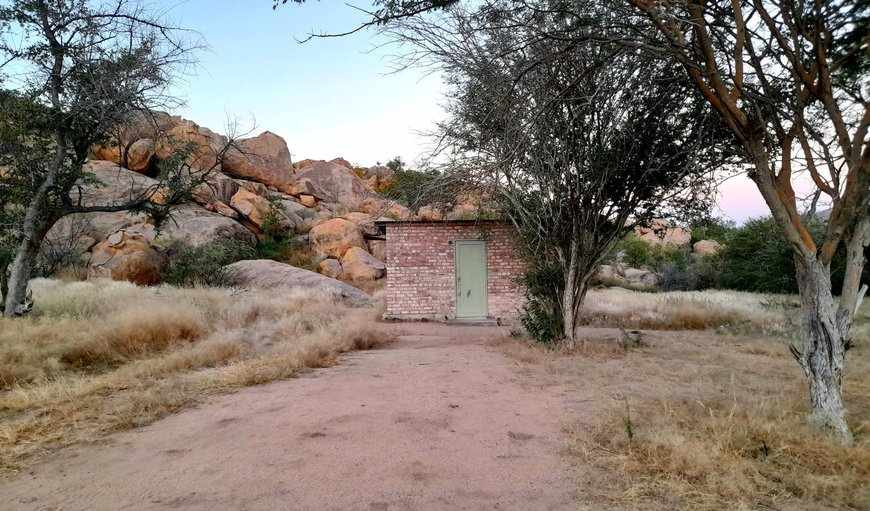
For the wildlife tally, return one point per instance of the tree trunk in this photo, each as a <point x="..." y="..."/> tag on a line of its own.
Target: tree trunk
<point x="824" y="346"/>
<point x="35" y="226"/>
<point x="572" y="303"/>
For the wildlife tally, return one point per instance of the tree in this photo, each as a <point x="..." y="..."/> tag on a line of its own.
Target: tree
<point x="73" y="71"/>
<point x="575" y="143"/>
<point x="790" y="80"/>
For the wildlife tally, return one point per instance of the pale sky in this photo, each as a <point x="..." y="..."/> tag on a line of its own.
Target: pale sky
<point x="327" y="97"/>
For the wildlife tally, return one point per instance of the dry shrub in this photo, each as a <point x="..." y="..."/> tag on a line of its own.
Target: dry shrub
<point x="101" y="357"/>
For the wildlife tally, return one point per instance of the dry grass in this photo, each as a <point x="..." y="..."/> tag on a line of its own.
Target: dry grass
<point x="683" y="310"/>
<point x="704" y="420"/>
<point x="99" y="357"/>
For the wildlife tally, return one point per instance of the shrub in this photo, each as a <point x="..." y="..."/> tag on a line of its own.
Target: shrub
<point x="191" y="265"/>
<point x="540" y="315"/>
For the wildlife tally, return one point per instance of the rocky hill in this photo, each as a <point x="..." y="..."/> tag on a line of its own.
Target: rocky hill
<point x="329" y="207"/>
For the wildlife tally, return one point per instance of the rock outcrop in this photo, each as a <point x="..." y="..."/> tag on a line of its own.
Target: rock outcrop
<point x="334" y="237"/>
<point x="125" y="255"/>
<point x="194" y="225"/>
<point x="268" y="274"/>
<point x="330" y="267"/>
<point x="357" y="265"/>
<point x="663" y="232"/>
<point x="706" y="247"/>
<point x="335" y="183"/>
<point x="264" y="158"/>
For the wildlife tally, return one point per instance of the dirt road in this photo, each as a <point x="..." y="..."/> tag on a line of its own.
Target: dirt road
<point x="437" y="421"/>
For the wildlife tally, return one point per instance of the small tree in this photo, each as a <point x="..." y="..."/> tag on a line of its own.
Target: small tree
<point x="576" y="143"/>
<point x="74" y="71"/>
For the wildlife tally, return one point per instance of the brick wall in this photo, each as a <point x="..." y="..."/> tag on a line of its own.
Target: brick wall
<point x="420" y="268"/>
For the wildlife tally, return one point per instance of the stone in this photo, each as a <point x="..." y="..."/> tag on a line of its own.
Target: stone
<point x="264" y="158"/>
<point x="268" y="274"/>
<point x="126" y="256"/>
<point x="662" y="232"/>
<point x="114" y="185"/>
<point x="224" y="210"/>
<point x="207" y="144"/>
<point x="639" y="277"/>
<point x="612" y="273"/>
<point x="335" y="183"/>
<point x="363" y="221"/>
<point x="194" y="225"/>
<point x="301" y="187"/>
<point x="293" y="207"/>
<point x="252" y="206"/>
<point x="308" y="201"/>
<point x="253" y="187"/>
<point x="378" y="248"/>
<point x="358" y="265"/>
<point x="341" y="161"/>
<point x="334" y="237"/>
<point x="331" y="268"/>
<point x="217" y="187"/>
<point x="304" y="164"/>
<point x="706" y="247"/>
<point x="383" y="207"/>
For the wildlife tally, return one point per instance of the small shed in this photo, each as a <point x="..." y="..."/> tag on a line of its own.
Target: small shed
<point x="452" y="270"/>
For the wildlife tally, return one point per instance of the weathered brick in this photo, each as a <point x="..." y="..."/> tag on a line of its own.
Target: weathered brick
<point x="420" y="268"/>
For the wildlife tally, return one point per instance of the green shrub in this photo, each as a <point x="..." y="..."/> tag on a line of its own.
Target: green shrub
<point x="543" y="283"/>
<point x="641" y="254"/>
<point x="202" y="265"/>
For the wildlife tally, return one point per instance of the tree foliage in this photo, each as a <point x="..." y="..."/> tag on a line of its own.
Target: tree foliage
<point x="73" y="71"/>
<point x="575" y="143"/>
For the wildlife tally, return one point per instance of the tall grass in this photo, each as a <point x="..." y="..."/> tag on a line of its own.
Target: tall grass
<point x="680" y="310"/>
<point x="96" y="357"/>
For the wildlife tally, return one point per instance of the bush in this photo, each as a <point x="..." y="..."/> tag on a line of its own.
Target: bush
<point x="641" y="254"/>
<point x="540" y="315"/>
<point x="202" y="265"/>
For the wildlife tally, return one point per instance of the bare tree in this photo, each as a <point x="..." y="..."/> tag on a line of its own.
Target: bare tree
<point x="577" y="143"/>
<point x="72" y="71"/>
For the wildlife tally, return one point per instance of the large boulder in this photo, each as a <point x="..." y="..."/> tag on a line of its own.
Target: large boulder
<point x="335" y="183"/>
<point x="194" y="225"/>
<point x="334" y="237"/>
<point x="664" y="233"/>
<point x="386" y="208"/>
<point x="206" y="144"/>
<point x="706" y="247"/>
<point x="126" y="256"/>
<point x="341" y="161"/>
<point x="264" y="158"/>
<point x="137" y="156"/>
<point x="268" y="274"/>
<point x="251" y="205"/>
<point x="218" y="187"/>
<point x="107" y="184"/>
<point x="622" y="274"/>
<point x="358" y="265"/>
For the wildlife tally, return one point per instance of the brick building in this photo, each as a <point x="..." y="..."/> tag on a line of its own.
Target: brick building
<point x="452" y="270"/>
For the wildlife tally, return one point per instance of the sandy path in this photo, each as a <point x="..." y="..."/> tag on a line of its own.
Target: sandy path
<point x="437" y="421"/>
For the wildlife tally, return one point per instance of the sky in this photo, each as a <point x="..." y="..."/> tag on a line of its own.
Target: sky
<point x="327" y="97"/>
